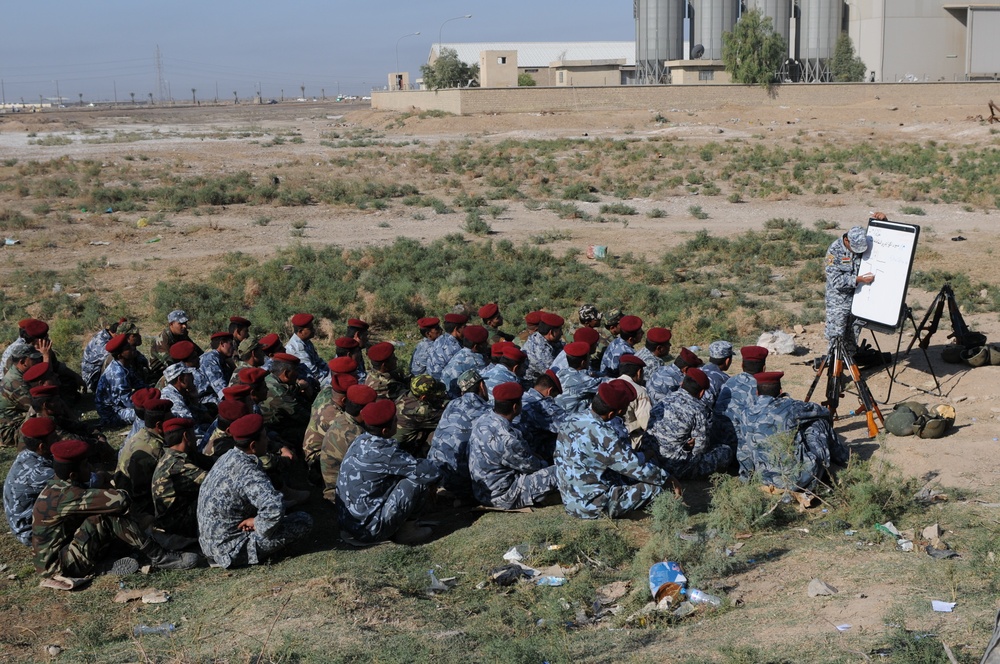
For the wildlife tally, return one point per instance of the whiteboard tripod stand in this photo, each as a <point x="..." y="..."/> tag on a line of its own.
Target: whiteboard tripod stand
<point x="893" y="370"/>
<point x="833" y="365"/>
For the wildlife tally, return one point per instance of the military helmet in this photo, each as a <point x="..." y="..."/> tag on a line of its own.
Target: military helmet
<point x="932" y="427"/>
<point x="978" y="356"/>
<point x="900" y="421"/>
<point x="994" y="354"/>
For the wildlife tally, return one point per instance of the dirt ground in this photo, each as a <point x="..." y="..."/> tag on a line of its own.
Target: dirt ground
<point x="967" y="458"/>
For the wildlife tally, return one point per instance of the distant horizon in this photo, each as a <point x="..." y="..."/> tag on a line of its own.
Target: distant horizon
<point x="61" y="49"/>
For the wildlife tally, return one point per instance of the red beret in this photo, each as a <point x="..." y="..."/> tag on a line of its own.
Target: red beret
<point x="237" y="392"/>
<point x="617" y="394"/>
<point x="587" y="335"/>
<point x="488" y="311"/>
<point x="629" y="358"/>
<point x="658" y="335"/>
<point x="508" y="392"/>
<point x="269" y="341"/>
<point x="285" y="357"/>
<point x="231" y="411"/>
<point x="496" y="350"/>
<point x="378" y="413"/>
<point x="239" y="320"/>
<point x="177" y="424"/>
<point x="44" y="391"/>
<point x="362" y="395"/>
<point x="36" y="372"/>
<point x="347" y="343"/>
<point x="769" y="377"/>
<point x="341" y="382"/>
<point x="630" y="324"/>
<point x="555" y="379"/>
<point x="68" y="451"/>
<point x="35" y="328"/>
<point x="246" y="427"/>
<point x="553" y="320"/>
<point x="381" y="352"/>
<point x="302" y="320"/>
<point x="698" y="376"/>
<point x="157" y="405"/>
<point x="476" y="334"/>
<point x="38" y="427"/>
<point x="753" y="353"/>
<point x="358" y="323"/>
<point x="430" y="321"/>
<point x="343" y="365"/>
<point x="222" y="335"/>
<point x="182" y="350"/>
<point x="533" y="318"/>
<point x="690" y="358"/>
<point x="577" y="349"/>
<point x="512" y="352"/>
<point x="457" y="319"/>
<point x="252" y="375"/>
<point x="24" y="321"/>
<point x="144" y="394"/>
<point x="117" y="343"/>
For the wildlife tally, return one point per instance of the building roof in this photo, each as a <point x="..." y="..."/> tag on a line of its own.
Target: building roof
<point x="542" y="54"/>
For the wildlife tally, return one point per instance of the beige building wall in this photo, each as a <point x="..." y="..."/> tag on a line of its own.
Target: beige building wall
<point x="698" y="72"/>
<point x="587" y="72"/>
<point x="399" y="80"/>
<point x="498" y="69"/>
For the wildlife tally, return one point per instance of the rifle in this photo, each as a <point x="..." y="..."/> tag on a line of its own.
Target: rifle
<point x="867" y="402"/>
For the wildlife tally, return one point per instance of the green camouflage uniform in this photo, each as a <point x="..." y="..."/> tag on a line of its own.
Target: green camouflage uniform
<point x="14" y="404"/>
<point x="342" y="431"/>
<point x="417" y="420"/>
<point x="323" y="412"/>
<point x="285" y="410"/>
<point x="136" y="463"/>
<point x="159" y="351"/>
<point x="387" y="385"/>
<point x="175" y="485"/>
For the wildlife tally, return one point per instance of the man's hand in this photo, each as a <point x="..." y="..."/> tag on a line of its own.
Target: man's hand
<point x="677" y="488"/>
<point x="44" y="346"/>
<point x="689" y="445"/>
<point x="866" y="278"/>
<point x="880" y="216"/>
<point x="287" y="452"/>
<point x="247" y="525"/>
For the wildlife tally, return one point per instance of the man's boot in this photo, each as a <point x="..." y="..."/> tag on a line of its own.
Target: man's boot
<point x="163" y="559"/>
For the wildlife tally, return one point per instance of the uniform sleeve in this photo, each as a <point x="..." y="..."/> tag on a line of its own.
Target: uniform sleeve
<point x="839" y="274"/>
<point x="699" y="431"/>
<point x="620" y="458"/>
<point x="420" y="471"/>
<point x="267" y="500"/>
<point x="518" y="456"/>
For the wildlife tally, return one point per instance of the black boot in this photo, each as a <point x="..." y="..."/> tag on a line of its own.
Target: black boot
<point x="163" y="559"/>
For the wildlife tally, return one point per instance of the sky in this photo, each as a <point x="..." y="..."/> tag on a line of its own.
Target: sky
<point x="105" y="48"/>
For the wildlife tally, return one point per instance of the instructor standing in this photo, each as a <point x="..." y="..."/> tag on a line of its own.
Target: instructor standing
<point x="843" y="259"/>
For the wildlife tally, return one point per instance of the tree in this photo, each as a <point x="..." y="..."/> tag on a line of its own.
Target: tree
<point x="753" y="52"/>
<point x="526" y="81"/>
<point x="449" y="72"/>
<point x="846" y="67"/>
<point x="194" y="100"/>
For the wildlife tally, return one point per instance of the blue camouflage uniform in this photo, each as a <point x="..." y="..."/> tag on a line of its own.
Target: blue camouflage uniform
<point x="217" y="370"/>
<point x="598" y="473"/>
<point x="736" y="395"/>
<point x="442" y="350"/>
<point x="716" y="379"/>
<point x="495" y="374"/>
<point x="450" y="442"/>
<point x="541" y="354"/>
<point x="578" y="390"/>
<point x="652" y="362"/>
<point x="673" y="423"/>
<point x="5" y="361"/>
<point x="311" y="363"/>
<point x="539" y="422"/>
<point x="93" y="358"/>
<point x="380" y="486"/>
<point x="559" y="364"/>
<point x="663" y="382"/>
<point x="504" y="470"/>
<point x="613" y="353"/>
<point x="237" y="488"/>
<point x="841" y="281"/>
<point x="421" y="357"/>
<point x="113" y="398"/>
<point x="29" y="473"/>
<point x="459" y="363"/>
<point x="183" y="407"/>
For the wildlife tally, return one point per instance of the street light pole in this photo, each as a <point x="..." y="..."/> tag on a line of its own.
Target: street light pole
<point x="441" y="29"/>
<point x="412" y="34"/>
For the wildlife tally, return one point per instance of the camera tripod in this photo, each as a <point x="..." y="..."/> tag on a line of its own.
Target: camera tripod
<point x="832" y="364"/>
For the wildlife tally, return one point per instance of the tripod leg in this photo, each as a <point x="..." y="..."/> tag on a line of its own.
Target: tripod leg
<point x="936" y="309"/>
<point x="819" y="372"/>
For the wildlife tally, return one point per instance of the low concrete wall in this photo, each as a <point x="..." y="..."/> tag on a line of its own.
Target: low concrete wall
<point x="691" y="97"/>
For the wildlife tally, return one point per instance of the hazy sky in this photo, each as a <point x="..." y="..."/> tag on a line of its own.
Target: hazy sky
<point x="99" y="46"/>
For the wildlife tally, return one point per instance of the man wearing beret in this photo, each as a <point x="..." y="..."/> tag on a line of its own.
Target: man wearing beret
<point x="73" y="525"/>
<point x="216" y="364"/>
<point x="598" y="473"/>
<point x="351" y="347"/>
<point x="180" y="390"/>
<point x="541" y="416"/>
<point x="139" y="363"/>
<point x="588" y="335"/>
<point x="176" y="480"/>
<point x="843" y="259"/>
<point x="633" y="370"/>
<point x="472" y="356"/>
<point x="31" y="470"/>
<point x="239" y="327"/>
<point x="176" y="330"/>
<point x="446" y="345"/>
<point x="418" y="413"/>
<point x="385" y="378"/>
<point x="113" y="396"/>
<point x="35" y="334"/>
<point x="241" y="516"/>
<point x="15" y="399"/>
<point x="138" y="459"/>
<point x="668" y="378"/>
<point x="187" y="354"/>
<point x="450" y="441"/>
<point x="301" y="346"/>
<point x="507" y="367"/>
<point x="579" y="387"/>
<point x="629" y="336"/>
<point x="493" y="320"/>
<point x="656" y="349"/>
<point x="358" y="329"/>
<point x="251" y="354"/>
<point x="94" y="353"/>
<point x="329" y="402"/>
<point x="430" y="330"/>
<point x="788" y="443"/>
<point x="232" y="407"/>
<point x="531" y="321"/>
<point x="543" y="346"/>
<point x="286" y="407"/>
<point x="345" y="426"/>
<point x="381" y="487"/>
<point x="505" y="471"/>
<point x="736" y="396"/>
<point x="678" y="432"/>
<point x="46" y="401"/>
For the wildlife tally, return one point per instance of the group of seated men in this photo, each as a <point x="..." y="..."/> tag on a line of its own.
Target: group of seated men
<point x="223" y="444"/>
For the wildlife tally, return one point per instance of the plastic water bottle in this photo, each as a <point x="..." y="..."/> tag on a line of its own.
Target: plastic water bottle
<point x="696" y="596"/>
<point x="162" y="628"/>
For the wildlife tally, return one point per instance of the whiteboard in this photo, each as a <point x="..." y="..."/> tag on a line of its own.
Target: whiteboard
<point x="891" y="248"/>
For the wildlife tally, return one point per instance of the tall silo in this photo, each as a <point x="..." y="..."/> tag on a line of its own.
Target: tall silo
<point x="659" y="28"/>
<point x="818" y="26"/>
<point x="711" y="19"/>
<point x="780" y="12"/>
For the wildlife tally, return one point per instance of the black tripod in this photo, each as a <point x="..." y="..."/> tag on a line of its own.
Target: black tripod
<point x="960" y="331"/>
<point x="832" y="364"/>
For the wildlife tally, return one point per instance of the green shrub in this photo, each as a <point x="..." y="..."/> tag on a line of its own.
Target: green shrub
<point x="475" y="224"/>
<point x="618" y="208"/>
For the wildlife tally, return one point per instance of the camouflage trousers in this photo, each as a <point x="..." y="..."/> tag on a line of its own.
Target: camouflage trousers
<point x="91" y="540"/>
<point x="292" y="528"/>
<point x="402" y="503"/>
<point x="529" y="490"/>
<point x="715" y="460"/>
<point x="454" y="465"/>
<point x="840" y="323"/>
<point x="620" y="500"/>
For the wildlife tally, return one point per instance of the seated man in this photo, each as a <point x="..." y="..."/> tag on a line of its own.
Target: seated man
<point x="301" y="346"/>
<point x="72" y="525"/>
<point x="217" y="364"/>
<point x="450" y="442"/>
<point x="541" y="415"/>
<point x="508" y="366"/>
<point x="241" y="516"/>
<point x="668" y="378"/>
<point x="789" y="443"/>
<point x="344" y="428"/>
<point x="632" y="369"/>
<point x="175" y="332"/>
<point x="471" y="356"/>
<point x="543" y="346"/>
<point x="420" y="410"/>
<point x="94" y="353"/>
<point x="587" y="335"/>
<point x="505" y="472"/>
<point x="328" y="404"/>
<point x="720" y="358"/>
<point x="430" y="330"/>
<point x="46" y="401"/>
<point x="493" y="320"/>
<point x="629" y="336"/>
<point x="177" y="479"/>
<point x="113" y="396"/>
<point x="678" y="432"/>
<point x="286" y="407"/>
<point x="179" y="388"/>
<point x="736" y="396"/>
<point x="578" y="386"/>
<point x="446" y="345"/>
<point x="380" y="487"/>
<point x="138" y="459"/>
<point x="597" y="470"/>
<point x="15" y="398"/>
<point x="657" y="348"/>
<point x="30" y="472"/>
<point x="388" y="381"/>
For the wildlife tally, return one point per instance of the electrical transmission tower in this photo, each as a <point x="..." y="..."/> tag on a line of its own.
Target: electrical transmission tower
<point x="161" y="84"/>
